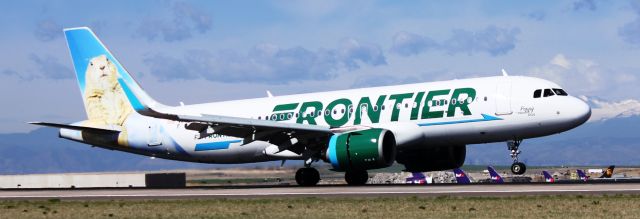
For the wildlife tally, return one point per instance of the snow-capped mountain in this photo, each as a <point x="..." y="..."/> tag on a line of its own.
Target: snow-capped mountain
<point x="603" y="110"/>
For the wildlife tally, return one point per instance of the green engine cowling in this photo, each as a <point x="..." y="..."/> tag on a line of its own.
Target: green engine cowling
<point x="362" y="150"/>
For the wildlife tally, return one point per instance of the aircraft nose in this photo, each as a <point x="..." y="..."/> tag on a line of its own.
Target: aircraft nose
<point x="580" y="111"/>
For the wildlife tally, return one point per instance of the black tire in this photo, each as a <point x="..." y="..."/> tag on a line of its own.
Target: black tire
<point x="518" y="168"/>
<point x="307" y="176"/>
<point x="356" y="177"/>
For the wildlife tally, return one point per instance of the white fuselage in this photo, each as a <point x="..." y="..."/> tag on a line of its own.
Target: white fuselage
<point x="499" y="109"/>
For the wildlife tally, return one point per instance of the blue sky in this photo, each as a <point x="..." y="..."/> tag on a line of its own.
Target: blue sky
<point x="199" y="51"/>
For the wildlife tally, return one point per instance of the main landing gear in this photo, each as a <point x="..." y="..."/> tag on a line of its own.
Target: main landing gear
<point x="307" y="176"/>
<point x="517" y="167"/>
<point x="356" y="177"/>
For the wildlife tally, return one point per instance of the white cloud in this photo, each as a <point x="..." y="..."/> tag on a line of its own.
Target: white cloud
<point x="493" y="40"/>
<point x="577" y="75"/>
<point x="561" y="61"/>
<point x="267" y="63"/>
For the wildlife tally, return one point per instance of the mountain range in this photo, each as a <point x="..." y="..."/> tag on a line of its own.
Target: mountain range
<point x="610" y="137"/>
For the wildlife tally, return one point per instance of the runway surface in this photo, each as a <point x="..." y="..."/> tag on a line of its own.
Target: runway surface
<point x="327" y="191"/>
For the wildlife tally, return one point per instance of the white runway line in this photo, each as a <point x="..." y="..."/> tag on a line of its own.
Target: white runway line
<point x="244" y="193"/>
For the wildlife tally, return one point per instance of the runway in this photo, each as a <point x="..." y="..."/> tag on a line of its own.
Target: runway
<point x="326" y="191"/>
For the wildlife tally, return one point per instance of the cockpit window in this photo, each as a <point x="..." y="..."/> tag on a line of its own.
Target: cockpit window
<point x="548" y="93"/>
<point x="537" y="93"/>
<point x="560" y="92"/>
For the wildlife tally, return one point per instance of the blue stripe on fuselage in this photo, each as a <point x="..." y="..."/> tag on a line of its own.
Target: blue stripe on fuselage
<point x="215" y="145"/>
<point x="485" y="118"/>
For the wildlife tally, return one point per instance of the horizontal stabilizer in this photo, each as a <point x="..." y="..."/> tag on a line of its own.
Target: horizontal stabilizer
<point x="75" y="127"/>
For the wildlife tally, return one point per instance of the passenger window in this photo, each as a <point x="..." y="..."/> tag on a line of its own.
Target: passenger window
<point x="548" y="93"/>
<point x="560" y="92"/>
<point x="537" y="93"/>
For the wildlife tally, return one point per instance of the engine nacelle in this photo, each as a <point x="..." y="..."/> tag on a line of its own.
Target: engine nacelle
<point x="433" y="159"/>
<point x="361" y="150"/>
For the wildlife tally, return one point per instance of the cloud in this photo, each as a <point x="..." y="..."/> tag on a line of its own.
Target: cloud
<point x="267" y="63"/>
<point x="49" y="67"/>
<point x="537" y="15"/>
<point x="184" y="20"/>
<point x="492" y="40"/>
<point x="8" y="72"/>
<point x="47" y="30"/>
<point x="407" y="44"/>
<point x="375" y="80"/>
<point x="581" y="76"/>
<point x="630" y="32"/>
<point x="353" y="52"/>
<point x="584" y="5"/>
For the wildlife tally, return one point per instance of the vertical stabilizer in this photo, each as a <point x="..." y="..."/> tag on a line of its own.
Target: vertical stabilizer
<point x="461" y="176"/>
<point x="548" y="177"/>
<point x="608" y="172"/>
<point x="495" y="177"/>
<point x="581" y="175"/>
<point x="97" y="73"/>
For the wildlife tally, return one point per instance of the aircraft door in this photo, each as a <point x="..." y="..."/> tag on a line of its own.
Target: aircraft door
<point x="503" y="96"/>
<point x="154" y="137"/>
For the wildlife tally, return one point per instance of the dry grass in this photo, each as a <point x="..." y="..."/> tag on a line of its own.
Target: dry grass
<point x="626" y="206"/>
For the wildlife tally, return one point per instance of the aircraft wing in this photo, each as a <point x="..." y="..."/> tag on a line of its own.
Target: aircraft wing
<point x="278" y="133"/>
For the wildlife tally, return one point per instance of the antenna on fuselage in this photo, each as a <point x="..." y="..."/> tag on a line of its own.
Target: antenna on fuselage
<point x="269" y="94"/>
<point x="504" y="73"/>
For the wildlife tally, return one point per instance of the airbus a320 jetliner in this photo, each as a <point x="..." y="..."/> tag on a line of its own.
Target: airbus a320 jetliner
<point x="423" y="126"/>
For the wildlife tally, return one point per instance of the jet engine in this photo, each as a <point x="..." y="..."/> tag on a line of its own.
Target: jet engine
<point x="433" y="159"/>
<point x="361" y="150"/>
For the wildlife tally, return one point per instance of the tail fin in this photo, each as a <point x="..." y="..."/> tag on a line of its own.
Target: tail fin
<point x="461" y="176"/>
<point x="418" y="175"/>
<point x="608" y="172"/>
<point x="581" y="175"/>
<point x="548" y="177"/>
<point x="417" y="178"/>
<point x="108" y="90"/>
<point x="495" y="177"/>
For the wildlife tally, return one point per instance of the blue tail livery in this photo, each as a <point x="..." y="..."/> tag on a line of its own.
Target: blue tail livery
<point x="548" y="177"/>
<point x="461" y="176"/>
<point x="417" y="178"/>
<point x="495" y="177"/>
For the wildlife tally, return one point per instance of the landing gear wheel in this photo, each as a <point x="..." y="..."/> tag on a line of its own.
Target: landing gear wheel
<point x="307" y="176"/>
<point x="356" y="177"/>
<point x="518" y="168"/>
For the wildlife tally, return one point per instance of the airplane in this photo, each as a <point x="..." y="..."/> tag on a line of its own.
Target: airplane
<point x="584" y="177"/>
<point x="423" y="126"/>
<point x="548" y="177"/>
<point x="608" y="172"/>
<point x="494" y="176"/>
<point x="461" y="176"/>
<point x="417" y="178"/>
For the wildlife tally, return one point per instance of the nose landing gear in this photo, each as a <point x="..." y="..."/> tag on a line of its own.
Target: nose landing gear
<point x="517" y="167"/>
